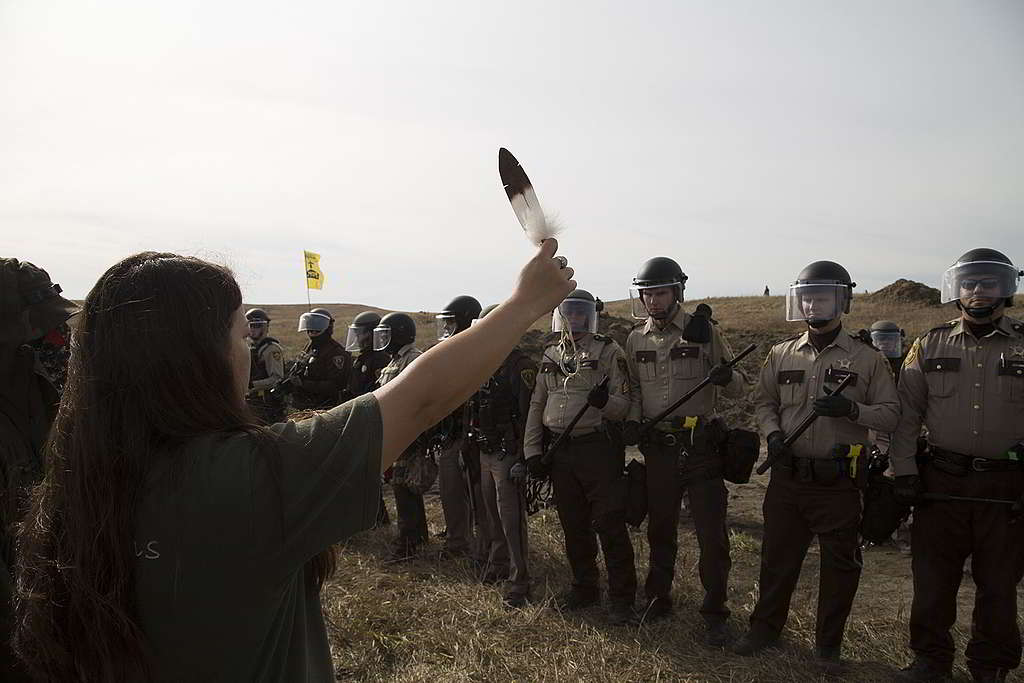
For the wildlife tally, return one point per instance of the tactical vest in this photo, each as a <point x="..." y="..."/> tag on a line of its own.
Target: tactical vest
<point x="366" y="368"/>
<point x="258" y="370"/>
<point x="495" y="406"/>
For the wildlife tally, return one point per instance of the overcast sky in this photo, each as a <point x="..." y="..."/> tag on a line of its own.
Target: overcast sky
<point x="743" y="139"/>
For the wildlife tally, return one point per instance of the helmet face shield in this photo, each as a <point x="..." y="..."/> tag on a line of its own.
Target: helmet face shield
<point x="816" y="301"/>
<point x="447" y="325"/>
<point x="579" y="314"/>
<point x="654" y="299"/>
<point x="314" y="322"/>
<point x="359" y="338"/>
<point x="888" y="342"/>
<point x="980" y="279"/>
<point x="381" y="338"/>
<point x="258" y="328"/>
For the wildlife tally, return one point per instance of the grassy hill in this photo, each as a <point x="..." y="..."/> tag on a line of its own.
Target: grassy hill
<point x="429" y="619"/>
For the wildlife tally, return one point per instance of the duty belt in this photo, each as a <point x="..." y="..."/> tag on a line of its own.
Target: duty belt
<point x="975" y="464"/>
<point x="589" y="435"/>
<point x="678" y="431"/>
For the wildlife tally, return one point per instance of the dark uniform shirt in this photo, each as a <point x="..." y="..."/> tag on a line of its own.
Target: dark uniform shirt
<point x="968" y="392"/>
<point x="497" y="413"/>
<point x="224" y="536"/>
<point x="325" y="376"/>
<point x="366" y="368"/>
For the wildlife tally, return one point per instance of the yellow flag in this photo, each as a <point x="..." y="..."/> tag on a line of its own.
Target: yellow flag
<point x="314" y="276"/>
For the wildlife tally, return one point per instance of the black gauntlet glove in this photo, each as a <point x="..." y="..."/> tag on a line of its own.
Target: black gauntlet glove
<point x="908" y="489"/>
<point x="835" y="405"/>
<point x="598" y="396"/>
<point x="720" y="375"/>
<point x="777" y="448"/>
<point x="631" y="432"/>
<point x="535" y="465"/>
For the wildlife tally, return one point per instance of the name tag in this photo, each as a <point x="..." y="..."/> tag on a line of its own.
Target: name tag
<point x="646" y="356"/>
<point x="836" y="375"/>
<point x="791" y="376"/>
<point x="684" y="352"/>
<point x="1012" y="368"/>
<point x="591" y="364"/>
<point x="941" y="365"/>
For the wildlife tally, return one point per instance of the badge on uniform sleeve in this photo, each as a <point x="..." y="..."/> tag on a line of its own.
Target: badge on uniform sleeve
<point x="339" y="362"/>
<point x="276" y="355"/>
<point x="529" y="377"/>
<point x="912" y="353"/>
<point x="624" y="369"/>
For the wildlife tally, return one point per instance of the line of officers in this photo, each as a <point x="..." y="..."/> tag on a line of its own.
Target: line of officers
<point x="961" y="384"/>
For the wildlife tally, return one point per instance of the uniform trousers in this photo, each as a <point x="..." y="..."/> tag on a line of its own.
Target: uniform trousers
<point x="590" y="496"/>
<point x="943" y="536"/>
<point x="455" y="499"/>
<point x="795" y="512"/>
<point x="700" y="475"/>
<point x="412" y="516"/>
<point x="505" y="519"/>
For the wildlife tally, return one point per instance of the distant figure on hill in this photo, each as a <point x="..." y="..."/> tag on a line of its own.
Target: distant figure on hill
<point x="766" y="292"/>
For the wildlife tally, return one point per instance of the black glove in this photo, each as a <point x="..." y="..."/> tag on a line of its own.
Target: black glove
<point x="598" y="396"/>
<point x="720" y="375"/>
<point x="908" y="489"/>
<point x="536" y="467"/>
<point x="517" y="473"/>
<point x="631" y="432"/>
<point x="777" y="447"/>
<point x="835" y="405"/>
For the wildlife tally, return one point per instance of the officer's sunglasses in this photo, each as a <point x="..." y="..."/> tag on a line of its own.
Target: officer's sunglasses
<point x="987" y="283"/>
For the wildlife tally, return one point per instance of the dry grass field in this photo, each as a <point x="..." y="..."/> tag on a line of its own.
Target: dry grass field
<point x="428" y="619"/>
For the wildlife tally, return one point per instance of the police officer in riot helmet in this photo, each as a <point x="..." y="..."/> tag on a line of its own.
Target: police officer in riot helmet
<point x="669" y="354"/>
<point x="888" y="338"/>
<point x="458" y="461"/>
<point x="267" y="369"/>
<point x="395" y="336"/>
<point x="586" y="470"/>
<point x="815" y="487"/>
<point x="323" y="378"/>
<point x="366" y="363"/>
<point x="366" y="367"/>
<point x="497" y="419"/>
<point x="457" y="316"/>
<point x="964" y="381"/>
<point x="31" y="309"/>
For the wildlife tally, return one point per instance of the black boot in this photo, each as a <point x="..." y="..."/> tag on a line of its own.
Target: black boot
<point x="577" y="598"/>
<point x="753" y="642"/>
<point x="926" y="671"/>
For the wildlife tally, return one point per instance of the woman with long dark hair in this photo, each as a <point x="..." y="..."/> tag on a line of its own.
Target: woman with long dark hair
<point x="172" y="538"/>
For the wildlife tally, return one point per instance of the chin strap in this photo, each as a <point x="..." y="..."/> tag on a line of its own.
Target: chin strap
<point x="978" y="312"/>
<point x="818" y="324"/>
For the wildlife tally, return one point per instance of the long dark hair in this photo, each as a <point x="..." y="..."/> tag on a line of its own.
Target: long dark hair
<point x="149" y="371"/>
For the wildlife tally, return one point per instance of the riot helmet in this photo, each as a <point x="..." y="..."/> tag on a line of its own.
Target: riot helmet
<point x="888" y="337"/>
<point x="654" y="274"/>
<point x="360" y="331"/>
<point x="579" y="311"/>
<point x="315" y="322"/>
<point x="394" y="331"/>
<point x="31" y="304"/>
<point x="822" y="292"/>
<point x="457" y="316"/>
<point x="979" y="281"/>
<point x="485" y="311"/>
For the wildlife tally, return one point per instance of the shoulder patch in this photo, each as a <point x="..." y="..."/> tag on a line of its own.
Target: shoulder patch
<point x="339" y="362"/>
<point x="913" y="353"/>
<point x="529" y="377"/>
<point x="276" y="354"/>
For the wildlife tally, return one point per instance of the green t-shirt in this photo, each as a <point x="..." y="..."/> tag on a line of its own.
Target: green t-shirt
<point x="225" y="530"/>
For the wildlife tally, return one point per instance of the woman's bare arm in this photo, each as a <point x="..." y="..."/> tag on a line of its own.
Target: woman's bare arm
<point x="445" y="376"/>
